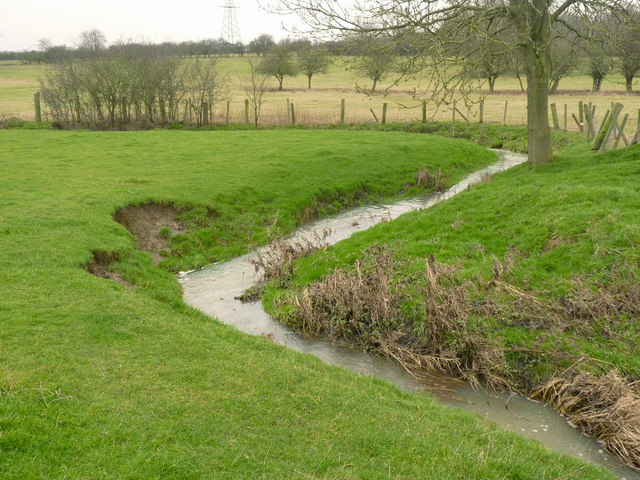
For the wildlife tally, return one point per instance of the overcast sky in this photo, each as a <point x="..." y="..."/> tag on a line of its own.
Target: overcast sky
<point x="24" y="22"/>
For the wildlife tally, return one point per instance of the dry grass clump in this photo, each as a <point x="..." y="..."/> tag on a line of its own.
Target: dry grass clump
<point x="276" y="261"/>
<point x="606" y="408"/>
<point x="364" y="308"/>
<point x="605" y="301"/>
<point x="436" y="182"/>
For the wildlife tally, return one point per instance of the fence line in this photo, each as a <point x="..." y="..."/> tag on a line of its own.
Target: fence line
<point x="603" y="134"/>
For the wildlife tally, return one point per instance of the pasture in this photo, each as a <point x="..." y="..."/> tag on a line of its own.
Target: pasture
<point x="98" y="379"/>
<point x="321" y="104"/>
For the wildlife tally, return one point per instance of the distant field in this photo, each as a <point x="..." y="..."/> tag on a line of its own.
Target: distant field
<point x="321" y="104"/>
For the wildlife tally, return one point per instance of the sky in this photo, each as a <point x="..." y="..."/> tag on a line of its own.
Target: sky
<point x="24" y="22"/>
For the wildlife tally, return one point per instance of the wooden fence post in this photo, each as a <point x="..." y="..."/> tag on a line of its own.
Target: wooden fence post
<point x="293" y="114"/>
<point x="342" y="108"/>
<point x="589" y="119"/>
<point x="621" y="135"/>
<point x="424" y="111"/>
<point x="554" y="116"/>
<point x="481" y="111"/>
<point x="565" y="117"/>
<point x="36" y="103"/>
<point x="581" y="116"/>
<point x="288" y="111"/>
<point x="384" y="113"/>
<point x="246" y="110"/>
<point x="506" y="106"/>
<point x="636" y="138"/>
<point x="608" y="125"/>
<point x="228" y="111"/>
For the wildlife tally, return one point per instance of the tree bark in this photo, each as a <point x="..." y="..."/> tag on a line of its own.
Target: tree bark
<point x="539" y="141"/>
<point x="532" y="21"/>
<point x="309" y="84"/>
<point x="629" y="83"/>
<point x="492" y="84"/>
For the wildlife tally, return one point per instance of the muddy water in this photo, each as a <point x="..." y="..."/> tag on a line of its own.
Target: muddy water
<point x="213" y="291"/>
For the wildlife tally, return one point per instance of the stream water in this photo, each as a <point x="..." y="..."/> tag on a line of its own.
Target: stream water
<point x="214" y="289"/>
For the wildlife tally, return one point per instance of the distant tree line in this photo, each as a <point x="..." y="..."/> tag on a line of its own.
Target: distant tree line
<point x="130" y="86"/>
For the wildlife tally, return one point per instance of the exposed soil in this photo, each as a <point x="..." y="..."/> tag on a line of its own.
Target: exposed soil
<point x="100" y="267"/>
<point x="153" y="225"/>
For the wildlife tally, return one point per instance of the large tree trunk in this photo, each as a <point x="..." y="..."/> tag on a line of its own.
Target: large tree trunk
<point x="538" y="119"/>
<point x="532" y="20"/>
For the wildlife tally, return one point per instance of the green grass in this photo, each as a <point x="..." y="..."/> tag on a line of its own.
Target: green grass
<point x="573" y="222"/>
<point x="101" y="381"/>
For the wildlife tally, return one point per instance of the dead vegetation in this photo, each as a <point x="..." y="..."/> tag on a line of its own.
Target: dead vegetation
<point x="367" y="306"/>
<point x="435" y="182"/>
<point x="100" y="266"/>
<point x="604" y="407"/>
<point x="276" y="261"/>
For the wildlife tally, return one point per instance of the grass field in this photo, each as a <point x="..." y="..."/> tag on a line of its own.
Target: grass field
<point x="546" y="273"/>
<point x="321" y="105"/>
<point x="102" y="381"/>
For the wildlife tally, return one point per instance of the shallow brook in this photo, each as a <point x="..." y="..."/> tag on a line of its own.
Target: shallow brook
<point x="214" y="290"/>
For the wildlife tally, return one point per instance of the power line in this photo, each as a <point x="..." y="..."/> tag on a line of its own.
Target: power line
<point x="230" y="30"/>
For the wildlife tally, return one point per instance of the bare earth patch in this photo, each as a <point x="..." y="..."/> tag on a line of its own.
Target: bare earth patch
<point x="153" y="225"/>
<point x="100" y="267"/>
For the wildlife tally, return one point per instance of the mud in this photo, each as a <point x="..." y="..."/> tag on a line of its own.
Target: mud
<point x="153" y="225"/>
<point x="100" y="266"/>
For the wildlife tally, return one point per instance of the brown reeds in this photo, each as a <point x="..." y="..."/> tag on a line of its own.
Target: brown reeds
<point x="276" y="261"/>
<point x="606" y="408"/>
<point x="364" y="308"/>
<point x="436" y="182"/>
<point x="442" y="331"/>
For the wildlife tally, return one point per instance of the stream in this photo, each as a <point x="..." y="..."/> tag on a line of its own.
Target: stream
<point x="213" y="290"/>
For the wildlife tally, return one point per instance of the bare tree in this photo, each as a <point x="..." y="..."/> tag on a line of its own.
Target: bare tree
<point x="92" y="41"/>
<point x="261" y="44"/>
<point x="129" y="85"/>
<point x="492" y="56"/>
<point x="531" y="21"/>
<point x="627" y="45"/>
<point x="562" y="57"/>
<point x="254" y="85"/>
<point x="375" y="61"/>
<point x="205" y="87"/>
<point x="313" y="60"/>
<point x="280" y="63"/>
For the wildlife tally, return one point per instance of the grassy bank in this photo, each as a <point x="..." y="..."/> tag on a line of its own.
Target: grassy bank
<point x="98" y="380"/>
<point x="526" y="282"/>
